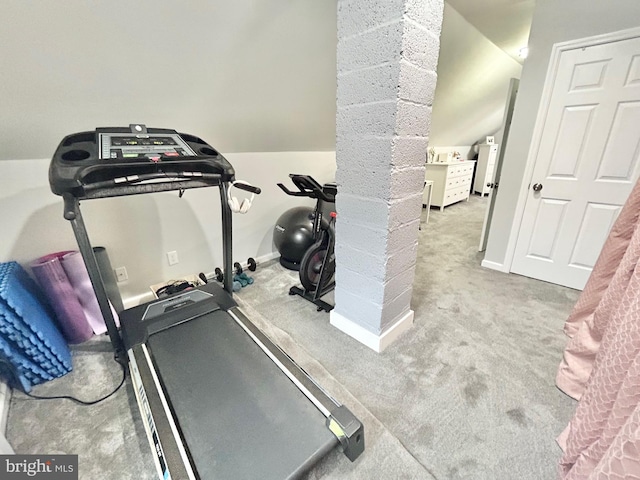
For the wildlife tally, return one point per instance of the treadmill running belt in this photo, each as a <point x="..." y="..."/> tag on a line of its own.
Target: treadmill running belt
<point x="240" y="416"/>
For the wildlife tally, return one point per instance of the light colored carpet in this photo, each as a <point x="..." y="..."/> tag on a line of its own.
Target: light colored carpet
<point x="467" y="393"/>
<point x="469" y="390"/>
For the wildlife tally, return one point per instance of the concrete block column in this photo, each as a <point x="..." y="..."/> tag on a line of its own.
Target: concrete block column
<point x="387" y="60"/>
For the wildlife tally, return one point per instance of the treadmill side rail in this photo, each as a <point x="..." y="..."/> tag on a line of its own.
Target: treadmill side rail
<point x="169" y="456"/>
<point x="340" y="421"/>
<point x="349" y="430"/>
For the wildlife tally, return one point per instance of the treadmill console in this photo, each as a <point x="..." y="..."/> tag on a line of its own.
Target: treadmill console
<point x="110" y="159"/>
<point x="121" y="145"/>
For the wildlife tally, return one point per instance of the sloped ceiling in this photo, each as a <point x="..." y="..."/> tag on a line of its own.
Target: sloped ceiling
<point x="506" y="23"/>
<point x="473" y="79"/>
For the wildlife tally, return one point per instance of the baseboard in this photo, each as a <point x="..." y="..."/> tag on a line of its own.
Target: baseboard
<point x="136" y="300"/>
<point x="268" y="257"/>
<point x="259" y="260"/>
<point x="500" y="267"/>
<point x="375" y="342"/>
<point x="5" y="400"/>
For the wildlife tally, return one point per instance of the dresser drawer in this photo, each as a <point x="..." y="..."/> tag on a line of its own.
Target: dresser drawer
<point x="457" y="182"/>
<point x="461" y="170"/>
<point x="456" y="194"/>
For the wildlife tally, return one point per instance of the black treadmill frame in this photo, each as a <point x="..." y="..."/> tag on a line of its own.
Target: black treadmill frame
<point x="347" y="429"/>
<point x="73" y="214"/>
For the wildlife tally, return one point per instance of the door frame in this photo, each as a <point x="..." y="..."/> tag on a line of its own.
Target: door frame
<point x="512" y="92"/>
<point x="552" y="71"/>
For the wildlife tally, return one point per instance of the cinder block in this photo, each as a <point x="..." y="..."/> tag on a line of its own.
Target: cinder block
<point x="413" y="119"/>
<point x="370" y="315"/>
<point x="420" y="46"/>
<point x="363" y="182"/>
<point x="367" y="172"/>
<point x="400" y="183"/>
<point x="377" y="119"/>
<point x="356" y="257"/>
<point x="355" y="16"/>
<point x="404" y="210"/>
<point x="377" y="241"/>
<point x="372" y="240"/>
<point x="369" y="85"/>
<point x="374" y="153"/>
<point x="360" y="285"/>
<point x="406" y="182"/>
<point x="398" y="284"/>
<point x="416" y="84"/>
<point x="371" y="212"/>
<point x="410" y="151"/>
<point x="359" y="310"/>
<point x="428" y="13"/>
<point x="401" y="237"/>
<point x="371" y="48"/>
<point x="402" y="260"/>
<point x="376" y="292"/>
<point x="396" y="308"/>
<point x="378" y="153"/>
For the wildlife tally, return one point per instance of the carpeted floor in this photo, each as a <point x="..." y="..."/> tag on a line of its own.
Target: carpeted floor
<point x="467" y="393"/>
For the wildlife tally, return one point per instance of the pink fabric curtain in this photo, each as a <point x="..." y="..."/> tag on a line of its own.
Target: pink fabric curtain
<point x="601" y="363"/>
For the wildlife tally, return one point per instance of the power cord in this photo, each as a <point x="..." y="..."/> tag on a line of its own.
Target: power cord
<point x="67" y="397"/>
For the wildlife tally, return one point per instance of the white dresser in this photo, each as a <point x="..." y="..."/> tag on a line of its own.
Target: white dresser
<point x="487" y="155"/>
<point x="451" y="181"/>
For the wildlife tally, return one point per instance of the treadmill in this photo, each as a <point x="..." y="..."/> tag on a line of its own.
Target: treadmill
<point x="217" y="397"/>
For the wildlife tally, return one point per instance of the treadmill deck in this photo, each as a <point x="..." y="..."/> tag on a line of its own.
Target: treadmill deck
<point x="239" y="416"/>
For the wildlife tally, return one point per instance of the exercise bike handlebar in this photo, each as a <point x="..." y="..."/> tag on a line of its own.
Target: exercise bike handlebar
<point x="248" y="188"/>
<point x="308" y="187"/>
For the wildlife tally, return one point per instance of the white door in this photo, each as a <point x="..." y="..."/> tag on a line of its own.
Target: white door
<point x="586" y="164"/>
<point x="495" y="181"/>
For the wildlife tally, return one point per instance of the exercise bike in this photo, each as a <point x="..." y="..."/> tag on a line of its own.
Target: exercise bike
<point x="318" y="263"/>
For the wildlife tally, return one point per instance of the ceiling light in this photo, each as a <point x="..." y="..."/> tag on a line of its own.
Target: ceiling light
<point x="523" y="52"/>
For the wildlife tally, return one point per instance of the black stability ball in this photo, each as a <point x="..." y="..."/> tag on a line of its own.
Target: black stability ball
<point x="293" y="235"/>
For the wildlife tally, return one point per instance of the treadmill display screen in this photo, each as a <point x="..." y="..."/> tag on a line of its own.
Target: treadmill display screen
<point x="174" y="303"/>
<point x="127" y="145"/>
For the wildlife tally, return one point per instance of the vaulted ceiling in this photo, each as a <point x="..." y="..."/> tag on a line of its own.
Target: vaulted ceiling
<point x="505" y="22"/>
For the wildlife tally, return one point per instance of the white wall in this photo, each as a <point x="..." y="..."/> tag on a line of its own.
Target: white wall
<point x="473" y="79"/>
<point x="553" y="21"/>
<point x="138" y="231"/>
<point x="247" y="75"/>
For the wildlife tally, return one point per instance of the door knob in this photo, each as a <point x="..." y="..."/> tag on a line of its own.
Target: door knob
<point x="537" y="187"/>
<point x="490" y="185"/>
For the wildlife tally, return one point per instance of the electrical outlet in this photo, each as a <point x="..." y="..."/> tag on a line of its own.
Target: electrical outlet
<point x="121" y="274"/>
<point x="172" y="257"/>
